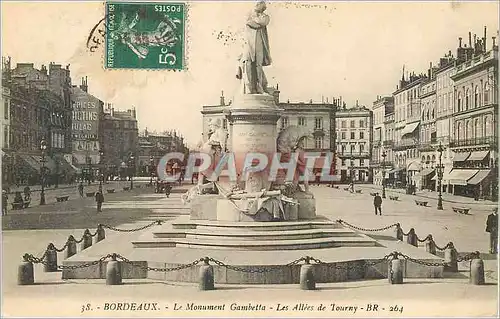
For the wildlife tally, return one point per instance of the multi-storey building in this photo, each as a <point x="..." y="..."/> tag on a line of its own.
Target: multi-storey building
<point x="86" y="130"/>
<point x="354" y="137"/>
<point x="316" y="118"/>
<point x="120" y="139"/>
<point x="4" y="135"/>
<point x="428" y="132"/>
<point x="381" y="108"/>
<point x="475" y="121"/>
<point x="152" y="147"/>
<point x="407" y="111"/>
<point x="39" y="109"/>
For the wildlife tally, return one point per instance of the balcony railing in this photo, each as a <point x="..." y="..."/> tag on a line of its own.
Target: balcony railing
<point x="491" y="141"/>
<point x="353" y="154"/>
<point x="404" y="144"/>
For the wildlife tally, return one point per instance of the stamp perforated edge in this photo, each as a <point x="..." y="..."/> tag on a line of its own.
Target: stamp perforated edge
<point x="185" y="53"/>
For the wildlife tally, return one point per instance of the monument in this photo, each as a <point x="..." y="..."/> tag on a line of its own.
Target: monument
<point x="255" y="222"/>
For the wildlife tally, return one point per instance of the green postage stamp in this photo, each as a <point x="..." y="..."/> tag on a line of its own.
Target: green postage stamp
<point x="145" y="35"/>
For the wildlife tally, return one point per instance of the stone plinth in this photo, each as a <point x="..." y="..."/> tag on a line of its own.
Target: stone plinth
<point x="228" y="211"/>
<point x="253" y="119"/>
<point x="204" y="207"/>
<point x="307" y="205"/>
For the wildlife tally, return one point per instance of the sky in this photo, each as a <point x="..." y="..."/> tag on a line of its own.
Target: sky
<point x="351" y="49"/>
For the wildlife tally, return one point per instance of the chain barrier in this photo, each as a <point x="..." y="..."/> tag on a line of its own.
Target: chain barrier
<point x="468" y="257"/>
<point x="125" y="260"/>
<point x="258" y="270"/>
<point x="51" y="245"/>
<point x="425" y="239"/>
<point x="448" y="245"/>
<point x="366" y="229"/>
<point x="421" y="262"/>
<point x="157" y="222"/>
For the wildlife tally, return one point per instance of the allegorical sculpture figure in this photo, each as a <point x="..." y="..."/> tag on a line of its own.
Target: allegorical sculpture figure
<point x="215" y="146"/>
<point x="256" y="53"/>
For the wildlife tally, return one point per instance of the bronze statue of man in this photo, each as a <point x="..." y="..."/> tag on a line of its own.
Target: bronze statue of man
<point x="256" y="53"/>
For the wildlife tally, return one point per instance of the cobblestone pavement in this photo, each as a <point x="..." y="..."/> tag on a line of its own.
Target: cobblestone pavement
<point x="129" y="209"/>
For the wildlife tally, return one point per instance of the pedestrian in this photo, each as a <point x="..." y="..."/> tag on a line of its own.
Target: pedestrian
<point x="27" y="194"/>
<point x="5" y="199"/>
<point x="168" y="188"/>
<point x="377" y="202"/>
<point x="492" y="228"/>
<point x="99" y="198"/>
<point x="80" y="188"/>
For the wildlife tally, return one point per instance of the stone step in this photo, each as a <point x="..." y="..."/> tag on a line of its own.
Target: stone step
<point x="243" y="234"/>
<point x="254" y="226"/>
<point x="314" y="243"/>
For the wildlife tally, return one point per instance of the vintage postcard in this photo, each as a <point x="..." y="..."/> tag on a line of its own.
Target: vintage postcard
<point x="249" y="159"/>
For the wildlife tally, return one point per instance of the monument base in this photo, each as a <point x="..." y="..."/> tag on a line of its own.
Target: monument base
<point x="307" y="205"/>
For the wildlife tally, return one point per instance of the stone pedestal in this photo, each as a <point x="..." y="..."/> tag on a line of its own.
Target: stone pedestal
<point x="228" y="211"/>
<point x="307" y="205"/>
<point x="204" y="207"/>
<point x="253" y="120"/>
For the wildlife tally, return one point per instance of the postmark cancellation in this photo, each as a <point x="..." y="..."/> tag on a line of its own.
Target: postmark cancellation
<point x="145" y="35"/>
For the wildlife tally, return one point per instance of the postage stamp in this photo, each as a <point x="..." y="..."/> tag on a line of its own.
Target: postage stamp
<point x="144" y="35"/>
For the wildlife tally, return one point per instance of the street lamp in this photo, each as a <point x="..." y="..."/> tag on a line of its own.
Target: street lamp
<point x="43" y="148"/>
<point x="89" y="162"/>
<point x="101" y="175"/>
<point x="131" y="163"/>
<point x="383" y="173"/>
<point x="151" y="169"/>
<point x="440" y="177"/>
<point x="352" y="173"/>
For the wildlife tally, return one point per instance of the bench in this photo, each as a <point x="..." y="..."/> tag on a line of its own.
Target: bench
<point x="126" y="188"/>
<point x="358" y="191"/>
<point x="461" y="210"/>
<point x="393" y="197"/>
<point x="19" y="205"/>
<point x="111" y="190"/>
<point x="421" y="203"/>
<point x="62" y="198"/>
<point x="90" y="194"/>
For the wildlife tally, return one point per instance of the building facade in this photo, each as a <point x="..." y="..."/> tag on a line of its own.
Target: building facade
<point x="120" y="141"/>
<point x="317" y="119"/>
<point x="382" y="107"/>
<point x="475" y="121"/>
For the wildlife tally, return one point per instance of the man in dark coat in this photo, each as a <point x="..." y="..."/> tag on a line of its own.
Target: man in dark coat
<point x="377" y="202"/>
<point x="99" y="198"/>
<point x="492" y="228"/>
<point x="5" y="199"/>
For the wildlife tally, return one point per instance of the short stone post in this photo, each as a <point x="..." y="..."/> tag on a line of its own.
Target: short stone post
<point x="71" y="248"/>
<point x="113" y="272"/>
<point x="25" y="272"/>
<point x="450" y="258"/>
<point x="430" y="245"/>
<point x="395" y="271"/>
<point x="412" y="238"/>
<point x="307" y="280"/>
<point x="50" y="264"/>
<point x="101" y="233"/>
<point x="476" y="271"/>
<point x="399" y="232"/>
<point x="87" y="239"/>
<point x="206" y="275"/>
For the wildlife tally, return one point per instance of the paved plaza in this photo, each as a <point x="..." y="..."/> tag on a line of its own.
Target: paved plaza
<point x="38" y="226"/>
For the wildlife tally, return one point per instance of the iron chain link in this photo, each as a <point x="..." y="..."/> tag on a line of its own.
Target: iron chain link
<point x="366" y="229"/>
<point x="421" y="262"/>
<point x="157" y="222"/>
<point x="425" y="239"/>
<point x="192" y="264"/>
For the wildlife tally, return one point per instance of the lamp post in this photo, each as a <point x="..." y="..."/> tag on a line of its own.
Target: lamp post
<point x="352" y="173"/>
<point x="132" y="164"/>
<point x="440" y="177"/>
<point x="101" y="175"/>
<point x="151" y="169"/>
<point x="383" y="173"/>
<point x="89" y="162"/>
<point x="43" y="148"/>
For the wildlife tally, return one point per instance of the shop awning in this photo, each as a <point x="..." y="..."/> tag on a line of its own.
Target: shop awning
<point x="50" y="164"/>
<point x="414" y="166"/>
<point x="409" y="128"/>
<point x="379" y="175"/>
<point x="426" y="171"/>
<point x="479" y="177"/>
<point x="461" y="176"/>
<point x="446" y="175"/>
<point x="460" y="157"/>
<point x="478" y="156"/>
<point x="32" y="163"/>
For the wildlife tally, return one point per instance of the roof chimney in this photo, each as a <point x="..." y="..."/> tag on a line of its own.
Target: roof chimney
<point x="484" y="39"/>
<point x="460" y="42"/>
<point x="222" y="102"/>
<point x="470" y="40"/>
<point x="327" y="100"/>
<point x="493" y="38"/>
